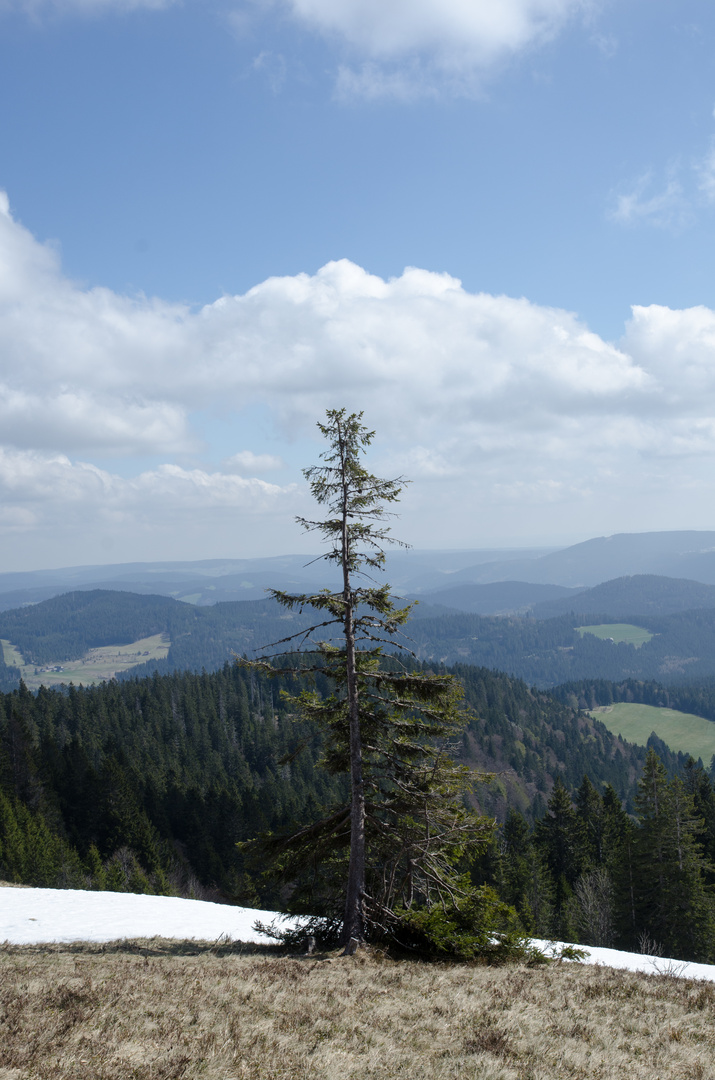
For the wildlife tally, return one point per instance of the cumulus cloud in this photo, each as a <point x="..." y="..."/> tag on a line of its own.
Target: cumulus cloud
<point x="245" y="461"/>
<point x="60" y="511"/>
<point x="487" y="401"/>
<point x="87" y="369"/>
<point x="410" y="46"/>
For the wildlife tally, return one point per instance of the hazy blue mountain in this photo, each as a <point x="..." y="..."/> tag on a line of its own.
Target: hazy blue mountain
<point x="625" y="597"/>
<point x="501" y="597"/>
<point x="411" y="573"/>
<point x="670" y="554"/>
<point x="211" y="581"/>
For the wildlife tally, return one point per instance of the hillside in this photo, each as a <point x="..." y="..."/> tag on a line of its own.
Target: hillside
<point x="498" y="598"/>
<point x="551" y="651"/>
<point x="640" y="594"/>
<point x="543" y="652"/>
<point x="686" y="554"/>
<point x="157" y="1009"/>
<point x="176" y="769"/>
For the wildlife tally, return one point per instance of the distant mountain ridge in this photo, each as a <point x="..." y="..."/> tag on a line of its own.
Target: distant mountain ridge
<point x="687" y="554"/>
<point x="682" y="554"/>
<point x="211" y="581"/>
<point x="639" y="594"/>
<point x="499" y="597"/>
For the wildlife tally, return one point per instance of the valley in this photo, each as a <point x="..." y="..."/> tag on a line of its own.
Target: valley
<point x="96" y="665"/>
<point x="617" y="632"/>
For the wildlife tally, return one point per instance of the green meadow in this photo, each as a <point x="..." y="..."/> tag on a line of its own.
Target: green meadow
<point x="631" y="635"/>
<point x="95" y="666"/>
<point x="681" y="731"/>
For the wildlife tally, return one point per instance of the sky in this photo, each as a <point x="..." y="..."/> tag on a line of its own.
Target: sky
<point x="489" y="227"/>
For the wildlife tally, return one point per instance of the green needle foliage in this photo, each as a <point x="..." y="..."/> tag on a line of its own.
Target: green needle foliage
<point x="395" y="846"/>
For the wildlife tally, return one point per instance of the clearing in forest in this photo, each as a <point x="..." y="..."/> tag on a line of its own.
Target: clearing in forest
<point x="680" y="731"/>
<point x="617" y="632"/>
<point x="95" y="666"/>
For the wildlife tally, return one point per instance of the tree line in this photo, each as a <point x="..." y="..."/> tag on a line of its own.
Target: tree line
<point x="544" y="653"/>
<point x="177" y="768"/>
<point x="149" y="784"/>
<point x="590" y="873"/>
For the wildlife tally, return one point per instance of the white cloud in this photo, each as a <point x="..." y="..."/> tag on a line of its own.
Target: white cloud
<point x="678" y="348"/>
<point x="674" y="202"/>
<point x="52" y="504"/>
<point x="706" y="175"/>
<point x="477" y="29"/>
<point x="666" y="208"/>
<point x="434" y="43"/>
<point x="245" y="461"/>
<point x="86" y="369"/>
<point x="272" y="67"/>
<point x="484" y="400"/>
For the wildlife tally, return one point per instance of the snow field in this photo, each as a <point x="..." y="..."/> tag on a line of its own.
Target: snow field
<point x="39" y="916"/>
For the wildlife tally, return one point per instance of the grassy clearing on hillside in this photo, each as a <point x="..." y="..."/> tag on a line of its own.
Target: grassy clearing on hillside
<point x="95" y="666"/>
<point x="162" y="1010"/>
<point x="680" y="731"/>
<point x="626" y="632"/>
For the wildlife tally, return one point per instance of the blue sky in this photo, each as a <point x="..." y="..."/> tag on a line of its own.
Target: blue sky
<point x="210" y="209"/>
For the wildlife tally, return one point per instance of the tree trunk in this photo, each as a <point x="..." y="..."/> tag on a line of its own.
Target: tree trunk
<point x="354" y="925"/>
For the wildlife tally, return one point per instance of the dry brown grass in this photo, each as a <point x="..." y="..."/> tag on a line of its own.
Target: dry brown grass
<point x="158" y="1010"/>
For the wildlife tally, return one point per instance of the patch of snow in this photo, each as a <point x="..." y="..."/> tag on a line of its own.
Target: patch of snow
<point x="35" y="916"/>
<point x="38" y="916"/>
<point x="614" y="958"/>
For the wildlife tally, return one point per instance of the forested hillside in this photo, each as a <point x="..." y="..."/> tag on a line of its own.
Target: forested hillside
<point x="696" y="697"/>
<point x="639" y="594"/>
<point x="546" y="653"/>
<point x="542" y="652"/>
<point x="588" y="872"/>
<point x="150" y="783"/>
<point x="65" y="627"/>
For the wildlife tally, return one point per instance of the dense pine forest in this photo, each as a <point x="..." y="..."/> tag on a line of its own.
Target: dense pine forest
<point x="589" y="872"/>
<point x="149" y="785"/>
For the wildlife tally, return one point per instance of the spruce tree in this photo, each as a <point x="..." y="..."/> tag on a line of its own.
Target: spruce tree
<point x="388" y="724"/>
<point x="619" y="832"/>
<point x="672" y="905"/>
<point x="557" y="836"/>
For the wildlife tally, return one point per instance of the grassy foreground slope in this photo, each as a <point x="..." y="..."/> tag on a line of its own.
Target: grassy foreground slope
<point x="157" y="1010"/>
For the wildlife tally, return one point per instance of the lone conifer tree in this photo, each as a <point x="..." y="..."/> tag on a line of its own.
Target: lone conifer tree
<point x="388" y="723"/>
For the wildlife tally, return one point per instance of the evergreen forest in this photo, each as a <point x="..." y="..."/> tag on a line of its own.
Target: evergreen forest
<point x="150" y="784"/>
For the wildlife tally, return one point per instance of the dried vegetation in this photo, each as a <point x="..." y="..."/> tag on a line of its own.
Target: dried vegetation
<point x="157" y="1010"/>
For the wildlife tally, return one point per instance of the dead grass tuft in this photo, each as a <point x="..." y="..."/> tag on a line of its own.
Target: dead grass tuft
<point x="157" y="1010"/>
